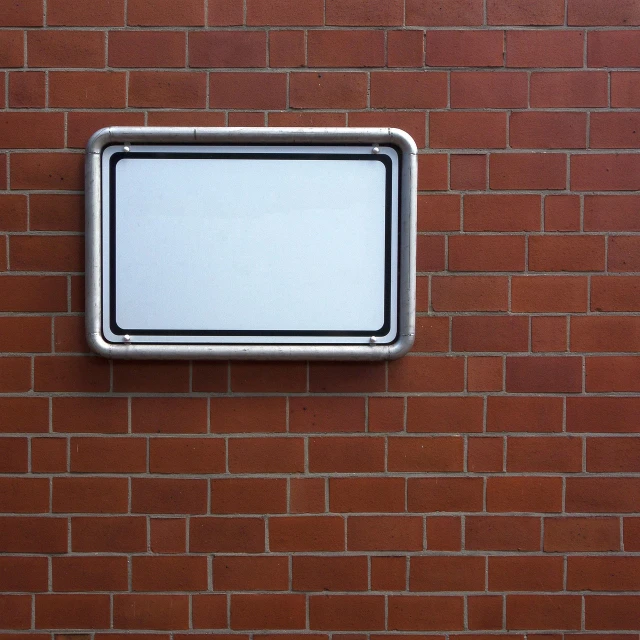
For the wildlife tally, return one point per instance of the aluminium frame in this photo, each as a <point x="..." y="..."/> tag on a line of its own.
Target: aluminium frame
<point x="245" y="135"/>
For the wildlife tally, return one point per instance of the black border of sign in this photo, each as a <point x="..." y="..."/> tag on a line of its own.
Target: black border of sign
<point x="386" y="161"/>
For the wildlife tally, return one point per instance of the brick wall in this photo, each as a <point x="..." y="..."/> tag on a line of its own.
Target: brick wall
<point x="487" y="483"/>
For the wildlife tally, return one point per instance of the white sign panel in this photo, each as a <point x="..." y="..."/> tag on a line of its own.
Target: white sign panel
<point x="274" y="248"/>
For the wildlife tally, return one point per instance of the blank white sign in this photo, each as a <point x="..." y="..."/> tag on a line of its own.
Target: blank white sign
<point x="250" y="244"/>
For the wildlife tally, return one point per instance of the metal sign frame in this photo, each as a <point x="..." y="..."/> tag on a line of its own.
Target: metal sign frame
<point x="369" y="140"/>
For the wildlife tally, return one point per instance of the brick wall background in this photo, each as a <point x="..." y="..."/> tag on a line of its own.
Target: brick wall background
<point x="487" y="483"/>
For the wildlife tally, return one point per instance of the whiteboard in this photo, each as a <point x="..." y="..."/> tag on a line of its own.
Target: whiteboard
<point x="250" y="244"/>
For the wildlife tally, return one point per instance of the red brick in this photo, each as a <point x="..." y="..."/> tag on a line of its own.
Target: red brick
<point x="210" y="612"/>
<point x="150" y="377"/>
<point x="24" y="415"/>
<point x="444" y="494"/>
<point x="287" y="49"/>
<point x="431" y="253"/>
<point x="248" y="495"/>
<point x="15" y="375"/>
<point x="447" y="573"/>
<point x="326" y="414"/>
<point x="602" y="495"/>
<point x="444" y="415"/>
<point x="71" y="373"/>
<point x="605" y="333"/>
<point x="90" y="495"/>
<point x="169" y="415"/>
<point x="625" y="89"/>
<point x="90" y="573"/>
<point x="600" y="13"/>
<point x="602" y="415"/>
<point x="33" y="293"/>
<point x="186" y="455"/>
<point x="533" y="414"/>
<point x="465" y="48"/>
<point x="23" y="573"/>
<point x="358" y="13"/>
<point x="615" y="130"/>
<point x="631" y="534"/>
<point x="25" y="14"/>
<point x="503" y="533"/>
<point x="165" y="13"/>
<point x="408" y="89"/>
<point x="348" y="613"/>
<point x="425" y="454"/>
<point x="332" y="90"/>
<point x="544" y="455"/>
<point x="488" y="89"/>
<point x="612" y="612"/>
<point x="58" y="48"/>
<point x="15" y="612"/>
<point x="33" y="534"/>
<point x="186" y="573"/>
<point x="427" y="374"/>
<point x="134" y="611"/>
<point x="428" y="613"/>
<point x="47" y="253"/>
<point x="285" y="13"/>
<point x="432" y="334"/>
<point x="306" y="533"/>
<point x="48" y="455"/>
<point x="374" y="494"/>
<point x="486" y="253"/>
<point x="119" y="534"/>
<point x="167" y="89"/>
<point x="441" y="13"/>
<point x="56" y="212"/>
<point x="468" y="172"/>
<point x="72" y="611"/>
<point x="90" y="415"/>
<point x="269" y="377"/>
<point x="266" y="455"/>
<point x="25" y="130"/>
<point x="444" y="533"/>
<point x="623" y="253"/>
<point x="148" y="49"/>
<point x="346" y="455"/>
<point x="405" y="48"/>
<point x="548" y="130"/>
<point x="330" y="48"/>
<point x="108" y="455"/>
<point x="611" y="213"/>
<point x="433" y="172"/>
<point x="191" y="119"/>
<point x="543" y="611"/>
<point x="581" y="534"/>
<point x="24" y="495"/>
<point x="544" y="375"/>
<point x="388" y="573"/>
<point x="226" y="535"/>
<point x="168" y="535"/>
<point x="235" y="49"/>
<point x="484" y="612"/>
<point x="485" y="212"/>
<point x="461" y="130"/>
<point x="384" y="533"/>
<point x="47" y="172"/>
<point x="168" y="495"/>
<point x="524" y="494"/>
<point x="386" y="414"/>
<point x="522" y="12"/>
<point x="566" y="253"/>
<point x="485" y="454"/>
<point x="334" y="377"/>
<point x="13" y="212"/>
<point x="562" y="213"/>
<point x="268" y="611"/>
<point x="545" y="48"/>
<point x="307" y="119"/>
<point x="490" y="333"/>
<point x="606" y="374"/>
<point x="617" y="455"/>
<point x="605" y="172"/>
<point x="527" y="171"/>
<point x="14" y="456"/>
<point x="248" y="415"/>
<point x="306" y="495"/>
<point x="251" y="573"/>
<point x="68" y="13"/>
<point x="569" y="89"/>
<point x="27" y="89"/>
<point x="550" y="294"/>
<point x="439" y="212"/>
<point x="329" y="573"/>
<point x="247" y="90"/>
